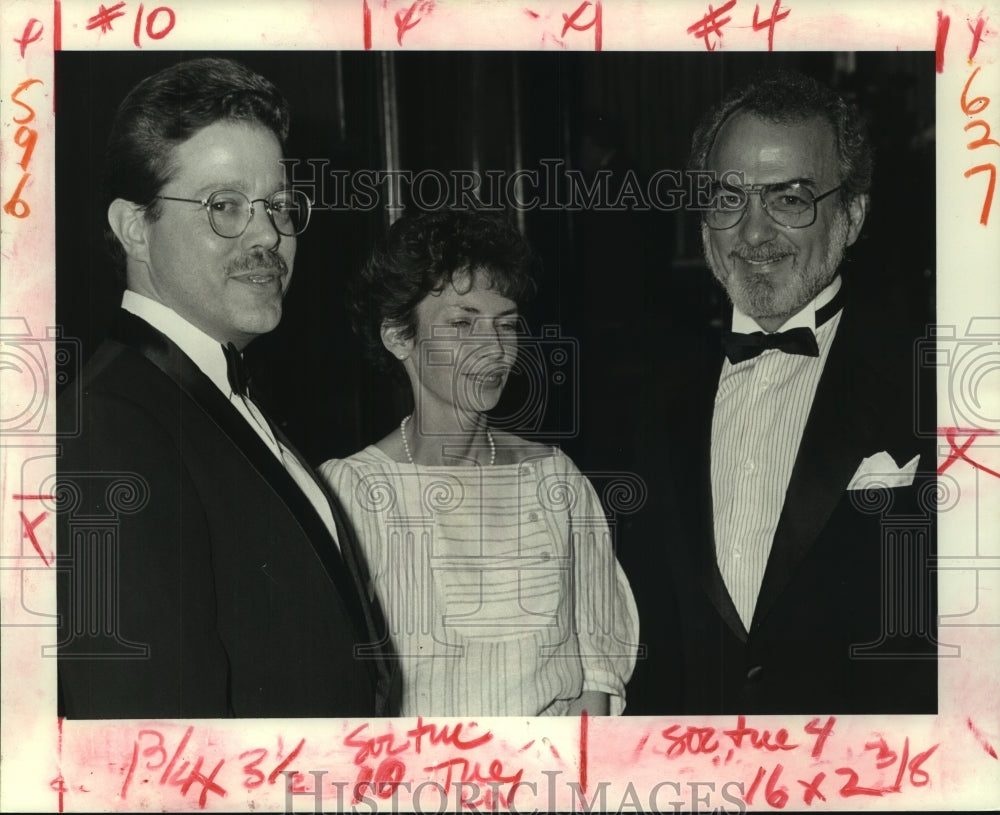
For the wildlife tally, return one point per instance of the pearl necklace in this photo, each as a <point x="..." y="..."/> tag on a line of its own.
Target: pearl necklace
<point x="409" y="454"/>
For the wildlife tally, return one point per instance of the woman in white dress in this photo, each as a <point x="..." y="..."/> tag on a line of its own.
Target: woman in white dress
<point x="490" y="554"/>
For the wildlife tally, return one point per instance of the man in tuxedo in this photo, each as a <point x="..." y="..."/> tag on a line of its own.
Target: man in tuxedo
<point x="791" y="572"/>
<point x="204" y="570"/>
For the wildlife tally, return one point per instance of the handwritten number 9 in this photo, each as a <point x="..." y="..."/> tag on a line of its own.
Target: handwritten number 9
<point x="25" y="138"/>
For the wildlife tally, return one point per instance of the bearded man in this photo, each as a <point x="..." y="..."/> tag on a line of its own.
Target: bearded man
<point x="791" y="571"/>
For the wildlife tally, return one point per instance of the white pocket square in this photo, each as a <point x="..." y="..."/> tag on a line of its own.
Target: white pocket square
<point x="880" y="472"/>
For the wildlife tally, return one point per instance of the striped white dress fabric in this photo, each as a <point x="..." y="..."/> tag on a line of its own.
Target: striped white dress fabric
<point x="760" y="414"/>
<point x="499" y="584"/>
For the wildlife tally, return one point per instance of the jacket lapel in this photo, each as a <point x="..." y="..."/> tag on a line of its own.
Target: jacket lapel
<point x="168" y="357"/>
<point x="838" y="435"/>
<point x="377" y="648"/>
<point x="692" y="483"/>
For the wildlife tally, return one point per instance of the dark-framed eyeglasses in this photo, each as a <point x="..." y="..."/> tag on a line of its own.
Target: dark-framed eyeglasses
<point x="230" y="211"/>
<point x="788" y="204"/>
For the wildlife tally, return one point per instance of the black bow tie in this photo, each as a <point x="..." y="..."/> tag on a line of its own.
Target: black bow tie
<point x="236" y="370"/>
<point x="741" y="347"/>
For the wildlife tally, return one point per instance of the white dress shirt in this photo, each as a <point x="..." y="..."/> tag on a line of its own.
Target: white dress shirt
<point x="761" y="408"/>
<point x="208" y="355"/>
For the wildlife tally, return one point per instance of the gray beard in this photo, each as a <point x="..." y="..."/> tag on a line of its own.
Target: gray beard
<point x="758" y="296"/>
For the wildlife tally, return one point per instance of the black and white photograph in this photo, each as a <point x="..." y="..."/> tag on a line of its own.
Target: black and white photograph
<point x="433" y="393"/>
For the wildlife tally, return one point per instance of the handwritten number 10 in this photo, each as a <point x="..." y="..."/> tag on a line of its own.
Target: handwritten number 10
<point x="382" y="782"/>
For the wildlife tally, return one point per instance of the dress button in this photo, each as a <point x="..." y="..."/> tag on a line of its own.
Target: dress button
<point x="749" y="466"/>
<point x="532" y="516"/>
<point x="754" y="673"/>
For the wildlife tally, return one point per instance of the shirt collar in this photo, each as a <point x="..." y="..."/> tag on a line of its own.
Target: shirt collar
<point x="806" y="318"/>
<point x="205" y="352"/>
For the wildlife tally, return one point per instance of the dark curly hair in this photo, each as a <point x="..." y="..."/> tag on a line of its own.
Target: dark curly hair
<point x="168" y="108"/>
<point x="785" y="97"/>
<point x="421" y="254"/>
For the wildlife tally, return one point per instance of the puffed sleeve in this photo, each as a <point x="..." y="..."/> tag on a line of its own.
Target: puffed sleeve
<point x="361" y="494"/>
<point x="606" y="615"/>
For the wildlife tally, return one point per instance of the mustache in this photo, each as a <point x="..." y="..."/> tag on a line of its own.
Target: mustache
<point x="258" y="261"/>
<point x="760" y="254"/>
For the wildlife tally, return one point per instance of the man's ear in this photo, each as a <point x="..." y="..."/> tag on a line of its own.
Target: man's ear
<point x="395" y="342"/>
<point x="857" y="210"/>
<point x="128" y="222"/>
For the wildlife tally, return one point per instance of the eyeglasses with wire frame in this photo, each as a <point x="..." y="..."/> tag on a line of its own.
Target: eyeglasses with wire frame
<point x="789" y="204"/>
<point x="230" y="211"/>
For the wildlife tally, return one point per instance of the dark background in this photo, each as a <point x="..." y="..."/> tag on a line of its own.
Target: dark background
<point x="615" y="284"/>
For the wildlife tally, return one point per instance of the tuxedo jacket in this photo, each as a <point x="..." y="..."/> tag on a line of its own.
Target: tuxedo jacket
<point x="846" y="617"/>
<point x="196" y="579"/>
